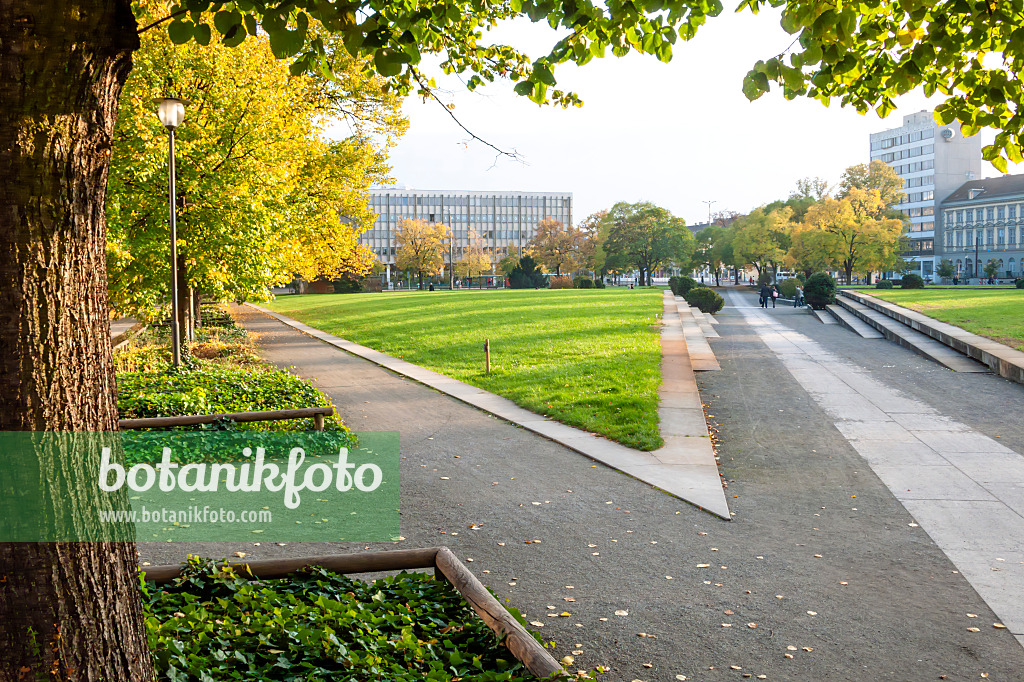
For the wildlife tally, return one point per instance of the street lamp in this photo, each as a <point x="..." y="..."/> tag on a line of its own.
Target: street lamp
<point x="171" y="112"/>
<point x="709" y="202"/>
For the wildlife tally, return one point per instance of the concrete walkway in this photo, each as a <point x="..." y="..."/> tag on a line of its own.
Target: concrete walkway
<point x="685" y="466"/>
<point x="839" y="589"/>
<point x="964" y="488"/>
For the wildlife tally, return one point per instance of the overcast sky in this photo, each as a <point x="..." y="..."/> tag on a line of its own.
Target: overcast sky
<point x="676" y="134"/>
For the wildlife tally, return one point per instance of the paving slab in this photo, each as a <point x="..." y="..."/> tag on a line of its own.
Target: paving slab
<point x="929" y="461"/>
<point x="854" y="324"/>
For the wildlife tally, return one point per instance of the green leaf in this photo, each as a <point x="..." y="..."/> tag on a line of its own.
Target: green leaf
<point x="543" y="73"/>
<point x="203" y="34"/>
<point x="181" y="32"/>
<point x="250" y="24"/>
<point x="387" y="63"/>
<point x="225" y="21"/>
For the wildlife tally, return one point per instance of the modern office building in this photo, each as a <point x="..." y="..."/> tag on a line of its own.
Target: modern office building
<point x="933" y="161"/>
<point x="497" y="219"/>
<point x="983" y="220"/>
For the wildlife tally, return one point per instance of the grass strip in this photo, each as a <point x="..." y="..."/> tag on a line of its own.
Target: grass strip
<point x="587" y="358"/>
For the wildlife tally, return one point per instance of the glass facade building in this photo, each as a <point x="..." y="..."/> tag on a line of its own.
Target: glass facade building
<point x="497" y="220"/>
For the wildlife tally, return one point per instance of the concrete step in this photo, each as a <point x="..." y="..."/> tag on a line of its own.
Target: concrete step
<point x="702" y="358"/>
<point x="711" y="319"/>
<point x="922" y="344"/>
<point x="1004" y="360"/>
<point x="701" y="318"/>
<point x="824" y="317"/>
<point x="854" y="323"/>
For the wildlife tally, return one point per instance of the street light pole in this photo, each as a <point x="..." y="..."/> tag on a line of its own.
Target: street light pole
<point x="171" y="112"/>
<point x="709" y="210"/>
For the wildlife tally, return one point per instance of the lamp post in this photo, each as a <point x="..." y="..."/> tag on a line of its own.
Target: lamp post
<point x="171" y="112"/>
<point x="709" y="209"/>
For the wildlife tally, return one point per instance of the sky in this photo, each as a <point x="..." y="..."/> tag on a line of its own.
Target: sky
<point x="679" y="134"/>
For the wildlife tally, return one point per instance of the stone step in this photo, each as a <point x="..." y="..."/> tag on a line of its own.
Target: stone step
<point x="824" y="317"/>
<point x="1004" y="360"/>
<point x="922" y="344"/>
<point x="705" y="325"/>
<point x="854" y="323"/>
<point x="702" y="358"/>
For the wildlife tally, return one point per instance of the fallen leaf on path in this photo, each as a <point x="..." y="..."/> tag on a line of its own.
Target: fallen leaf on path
<point x="973" y="629"/>
<point x="752" y="626"/>
<point x="999" y="626"/>
<point x="567" y="660"/>
<point x="791" y="647"/>
<point x="536" y="623"/>
<point x="568" y="599"/>
<point x="726" y="625"/>
<point x="812" y="613"/>
<point x="703" y="565"/>
<point x="240" y="555"/>
<point x="622" y="612"/>
<point x="788" y="655"/>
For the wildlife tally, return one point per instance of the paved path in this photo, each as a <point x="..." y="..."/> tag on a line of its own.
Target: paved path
<point x="614" y="543"/>
<point x="685" y="466"/>
<point x="965" y="489"/>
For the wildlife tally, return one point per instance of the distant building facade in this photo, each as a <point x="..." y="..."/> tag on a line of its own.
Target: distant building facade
<point x="984" y="220"/>
<point x="933" y="161"/>
<point x="498" y="219"/>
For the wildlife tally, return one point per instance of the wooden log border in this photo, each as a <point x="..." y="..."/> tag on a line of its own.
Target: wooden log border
<point x="318" y="414"/>
<point x="519" y="642"/>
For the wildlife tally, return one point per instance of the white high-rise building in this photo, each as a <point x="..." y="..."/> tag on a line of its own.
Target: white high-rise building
<point x="497" y="219"/>
<point x="933" y="161"/>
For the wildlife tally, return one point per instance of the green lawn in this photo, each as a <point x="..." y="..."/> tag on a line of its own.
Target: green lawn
<point x="588" y="358"/>
<point x="994" y="313"/>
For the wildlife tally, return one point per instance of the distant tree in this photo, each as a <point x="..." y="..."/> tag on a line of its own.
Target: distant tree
<point x="762" y="239"/>
<point x="557" y="246"/>
<point x="647" y="237"/>
<point x="474" y="261"/>
<point x="594" y="229"/>
<point x="810" y="249"/>
<point x="878" y="176"/>
<point x="811" y="188"/>
<point x="526" y="274"/>
<point x="419" y="246"/>
<point x="992" y="267"/>
<point x="945" y="269"/>
<point x="724" y="218"/>
<point x="857" y="240"/>
<point x="509" y="261"/>
<point x="707" y="252"/>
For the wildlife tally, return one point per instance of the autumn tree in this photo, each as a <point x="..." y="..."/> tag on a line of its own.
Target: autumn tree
<point x="814" y="188"/>
<point x="509" y="261"/>
<point x="647" y="237"/>
<point x="557" y="246"/>
<point x="474" y="261"/>
<point x="761" y="238"/>
<point x="259" y="191"/>
<point x="857" y="240"/>
<point x="878" y="176"/>
<point x="594" y="229"/>
<point x="420" y="246"/>
<point x="62" y="68"/>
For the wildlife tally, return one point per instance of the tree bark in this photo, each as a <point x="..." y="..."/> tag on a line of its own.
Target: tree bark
<point x="68" y="611"/>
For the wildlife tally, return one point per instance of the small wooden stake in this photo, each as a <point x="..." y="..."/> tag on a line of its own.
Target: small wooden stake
<point x="487" y="354"/>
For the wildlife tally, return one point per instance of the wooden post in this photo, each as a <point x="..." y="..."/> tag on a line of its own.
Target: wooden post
<point x="318" y="421"/>
<point x="487" y="354"/>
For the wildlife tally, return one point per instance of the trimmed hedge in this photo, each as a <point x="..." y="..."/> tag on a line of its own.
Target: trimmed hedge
<point x="705" y="299"/>
<point x="883" y="284"/>
<point x="820" y="290"/>
<point x="787" y="289"/>
<point x="681" y="285"/>
<point x="912" y="281"/>
<point x="560" y="282"/>
<point x="583" y="283"/>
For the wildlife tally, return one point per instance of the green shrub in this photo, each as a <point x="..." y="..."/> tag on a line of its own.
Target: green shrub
<point x="215" y="625"/>
<point x="764" y="278"/>
<point x="820" y="290"/>
<point x="1019" y="283"/>
<point x="883" y="284"/>
<point x="526" y="275"/>
<point x="599" y="283"/>
<point x="214" y="389"/>
<point x="707" y="300"/>
<point x="560" y="282"/>
<point x="673" y="284"/>
<point x="685" y="284"/>
<point x="912" y="281"/>
<point x="802" y="277"/>
<point x="584" y="283"/>
<point x="787" y="289"/>
<point x="348" y="285"/>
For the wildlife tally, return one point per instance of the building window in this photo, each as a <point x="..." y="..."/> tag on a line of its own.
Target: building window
<point x="990" y="214"/>
<point x="1012" y="211"/>
<point x="1001" y="236"/>
<point x="989" y="236"/>
<point x="959" y="216"/>
<point x="959" y="238"/>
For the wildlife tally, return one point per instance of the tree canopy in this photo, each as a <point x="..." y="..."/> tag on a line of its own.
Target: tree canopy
<point x="420" y="245"/>
<point x="647" y="237"/>
<point x="259" y="189"/>
<point x="557" y="246"/>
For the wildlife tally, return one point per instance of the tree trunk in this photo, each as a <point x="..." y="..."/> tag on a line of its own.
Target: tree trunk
<point x="68" y="611"/>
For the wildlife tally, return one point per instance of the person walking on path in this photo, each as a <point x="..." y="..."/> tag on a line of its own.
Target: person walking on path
<point x="798" y="300"/>
<point x="766" y="293"/>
